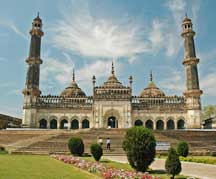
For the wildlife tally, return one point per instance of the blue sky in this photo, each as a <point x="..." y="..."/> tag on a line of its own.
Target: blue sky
<point x="138" y="35"/>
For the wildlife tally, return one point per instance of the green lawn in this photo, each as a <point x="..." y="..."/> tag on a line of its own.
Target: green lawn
<point x="196" y="159"/>
<point x="45" y="167"/>
<point x="200" y="159"/>
<point x="38" y="167"/>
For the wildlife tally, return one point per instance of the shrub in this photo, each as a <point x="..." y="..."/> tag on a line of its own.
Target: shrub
<point x="96" y="151"/>
<point x="76" y="146"/>
<point x="183" y="149"/>
<point x="173" y="164"/>
<point x="139" y="144"/>
<point x="3" y="150"/>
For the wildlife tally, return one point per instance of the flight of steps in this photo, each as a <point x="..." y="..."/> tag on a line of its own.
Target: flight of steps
<point x="58" y="144"/>
<point x="200" y="142"/>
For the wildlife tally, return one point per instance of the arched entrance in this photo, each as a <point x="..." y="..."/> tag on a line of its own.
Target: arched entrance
<point x="43" y="124"/>
<point x="53" y="124"/>
<point x="138" y="123"/>
<point x="85" y="124"/>
<point x="64" y="124"/>
<point x="112" y="122"/>
<point x="181" y="124"/>
<point x="160" y="125"/>
<point x="149" y="124"/>
<point x="75" y="124"/>
<point x="170" y="124"/>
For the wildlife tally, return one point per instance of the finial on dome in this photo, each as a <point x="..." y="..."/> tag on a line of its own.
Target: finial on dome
<point x="113" y="70"/>
<point x="38" y="14"/>
<point x="73" y="75"/>
<point x="151" y="76"/>
<point x="186" y="14"/>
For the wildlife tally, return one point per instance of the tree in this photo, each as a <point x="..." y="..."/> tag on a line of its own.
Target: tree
<point x="183" y="149"/>
<point x="140" y="146"/>
<point x="173" y="164"/>
<point x="209" y="111"/>
<point x="96" y="151"/>
<point x="76" y="146"/>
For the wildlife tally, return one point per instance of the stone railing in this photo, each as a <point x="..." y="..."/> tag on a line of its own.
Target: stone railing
<point x="164" y="103"/>
<point x="115" y="97"/>
<point x="62" y="102"/>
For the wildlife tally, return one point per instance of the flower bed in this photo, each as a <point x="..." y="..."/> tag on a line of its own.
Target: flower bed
<point x="102" y="170"/>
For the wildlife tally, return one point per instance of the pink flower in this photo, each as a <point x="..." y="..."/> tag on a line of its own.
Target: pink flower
<point x="105" y="172"/>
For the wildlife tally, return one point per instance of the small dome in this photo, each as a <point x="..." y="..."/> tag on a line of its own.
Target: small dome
<point x="112" y="81"/>
<point x="38" y="18"/>
<point x="73" y="90"/>
<point x="152" y="90"/>
<point x="186" y="19"/>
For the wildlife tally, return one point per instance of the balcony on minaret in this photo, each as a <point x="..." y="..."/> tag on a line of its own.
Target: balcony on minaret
<point x="187" y="26"/>
<point x="37" y="27"/>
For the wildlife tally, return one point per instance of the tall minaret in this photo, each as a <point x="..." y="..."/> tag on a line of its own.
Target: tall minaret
<point x="32" y="91"/>
<point x="190" y="62"/>
<point x="33" y="60"/>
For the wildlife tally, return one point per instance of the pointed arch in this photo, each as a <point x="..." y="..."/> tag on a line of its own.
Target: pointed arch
<point x="181" y="124"/>
<point x="160" y="125"/>
<point x="64" y="124"/>
<point x="53" y="124"/>
<point x="85" y="123"/>
<point x="74" y="124"/>
<point x="43" y="124"/>
<point x="170" y="124"/>
<point x="138" y="122"/>
<point x="149" y="124"/>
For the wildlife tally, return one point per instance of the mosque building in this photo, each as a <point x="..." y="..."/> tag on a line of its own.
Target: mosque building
<point x="112" y="104"/>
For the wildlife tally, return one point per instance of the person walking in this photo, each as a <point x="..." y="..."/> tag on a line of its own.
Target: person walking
<point x="108" y="142"/>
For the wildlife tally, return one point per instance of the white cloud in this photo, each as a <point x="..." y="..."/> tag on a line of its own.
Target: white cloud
<point x="90" y="36"/>
<point x="94" y="36"/>
<point x="156" y="36"/>
<point x="55" y="72"/>
<point x="61" y="71"/>
<point x="178" y="8"/>
<point x="208" y="84"/>
<point x="175" y="83"/>
<point x="11" y="25"/>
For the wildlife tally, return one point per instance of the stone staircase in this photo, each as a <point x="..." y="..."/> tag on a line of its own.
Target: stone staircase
<point x="58" y="144"/>
<point x="55" y="141"/>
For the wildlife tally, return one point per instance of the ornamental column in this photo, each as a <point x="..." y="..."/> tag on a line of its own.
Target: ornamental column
<point x="33" y="61"/>
<point x="32" y="91"/>
<point x="193" y="92"/>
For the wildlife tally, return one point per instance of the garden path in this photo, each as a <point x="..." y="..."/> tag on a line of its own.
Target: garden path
<point x="202" y="171"/>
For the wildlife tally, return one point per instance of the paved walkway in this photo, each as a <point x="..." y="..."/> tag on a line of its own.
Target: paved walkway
<point x="202" y="171"/>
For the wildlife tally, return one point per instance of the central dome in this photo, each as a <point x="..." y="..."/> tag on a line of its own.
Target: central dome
<point x="152" y="90"/>
<point x="112" y="81"/>
<point x="73" y="90"/>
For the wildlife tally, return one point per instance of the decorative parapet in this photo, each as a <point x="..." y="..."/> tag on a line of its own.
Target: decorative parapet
<point x="61" y="102"/>
<point x="160" y="104"/>
<point x="114" y="94"/>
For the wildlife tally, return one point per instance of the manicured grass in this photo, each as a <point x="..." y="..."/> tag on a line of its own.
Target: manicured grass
<point x="200" y="159"/>
<point x="196" y="159"/>
<point x="124" y="166"/>
<point x="110" y="163"/>
<point x="39" y="167"/>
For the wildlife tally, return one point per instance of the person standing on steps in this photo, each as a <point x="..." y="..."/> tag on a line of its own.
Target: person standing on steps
<point x="108" y="143"/>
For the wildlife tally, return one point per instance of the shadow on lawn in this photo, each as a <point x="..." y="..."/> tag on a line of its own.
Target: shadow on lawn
<point x="105" y="161"/>
<point x="157" y="172"/>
